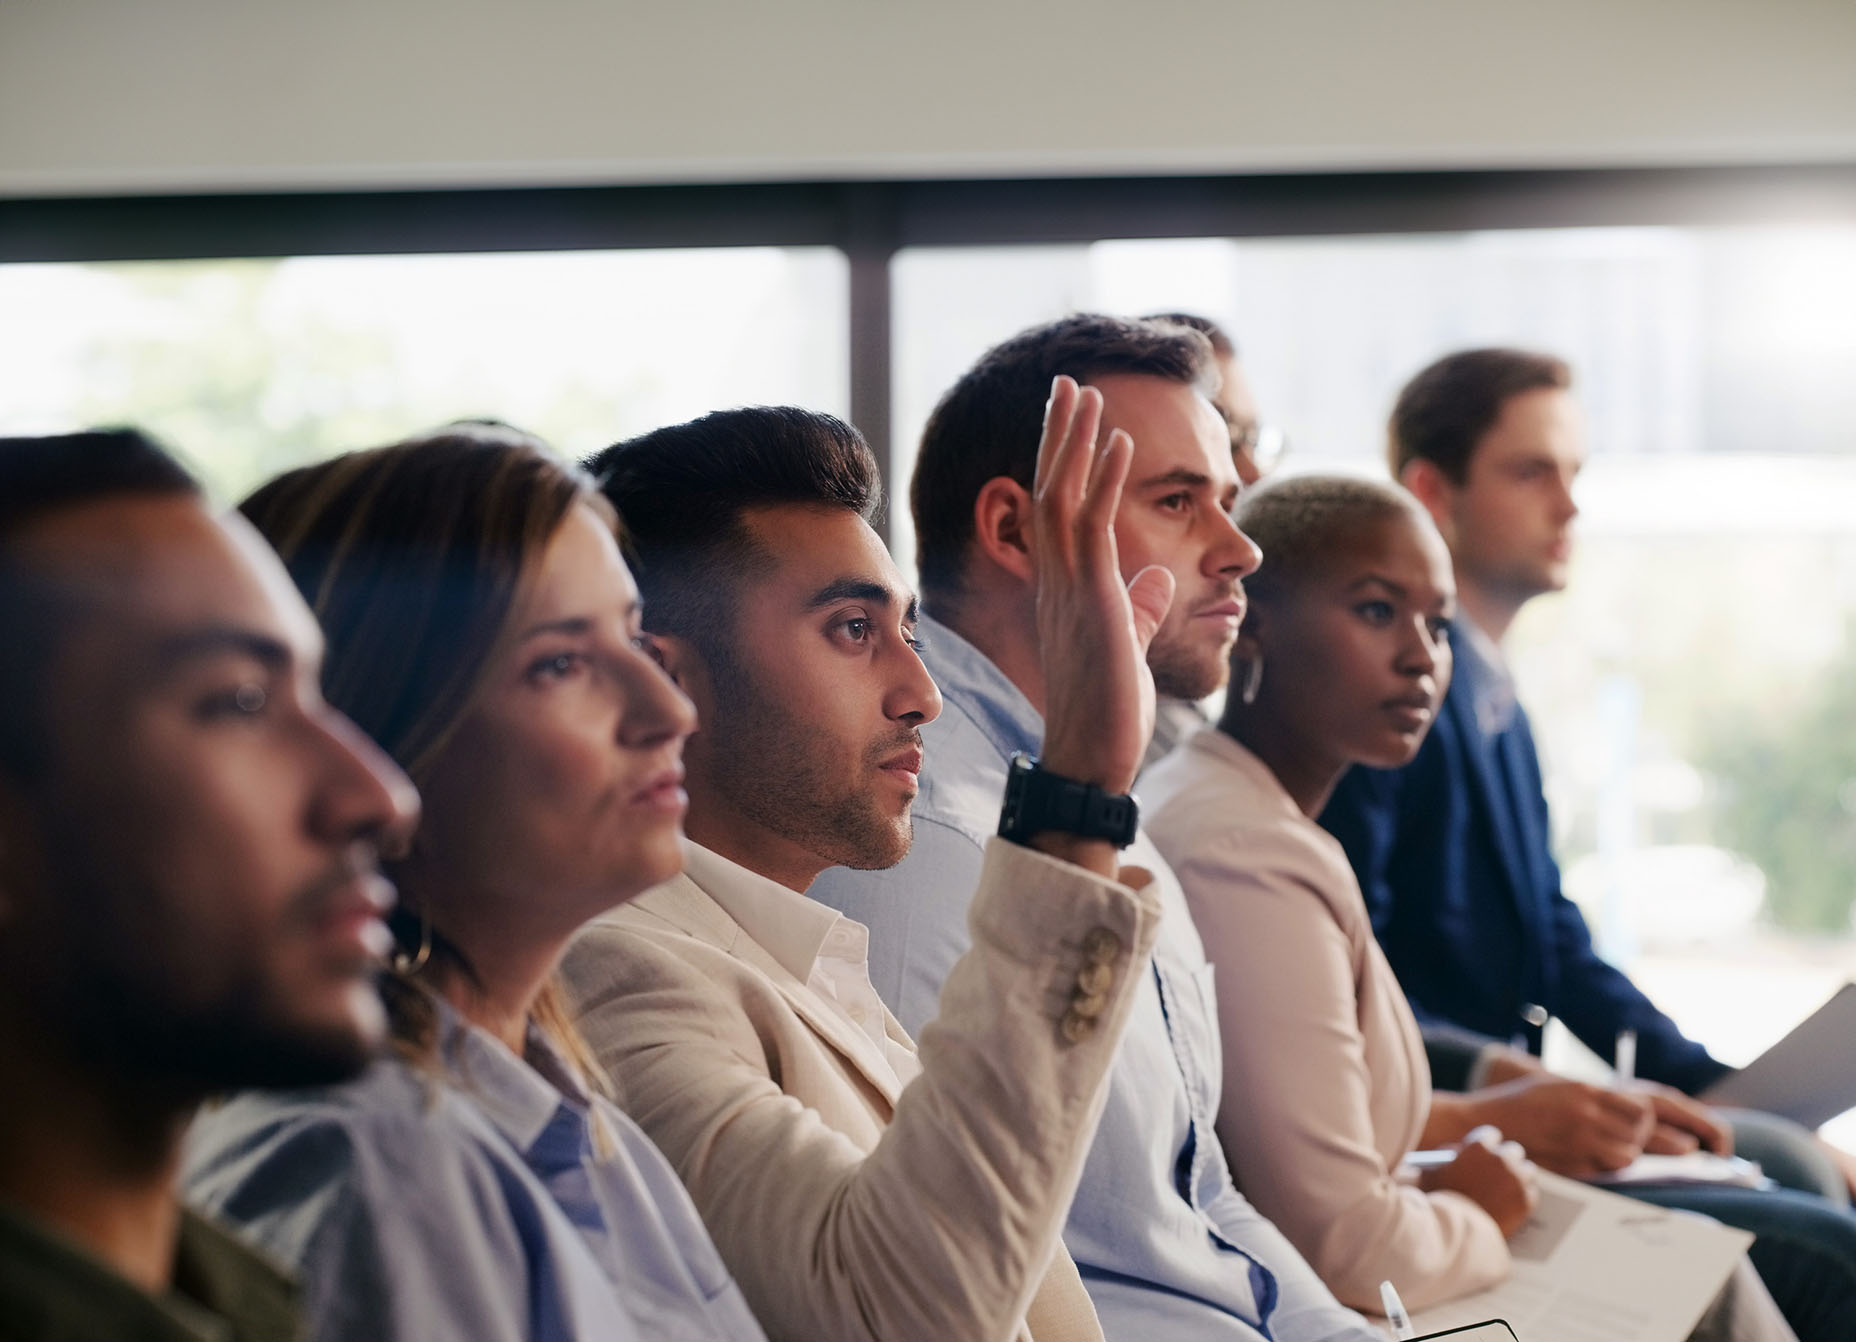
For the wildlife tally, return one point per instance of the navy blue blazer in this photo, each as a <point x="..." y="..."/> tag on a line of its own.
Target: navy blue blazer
<point x="1453" y="855"/>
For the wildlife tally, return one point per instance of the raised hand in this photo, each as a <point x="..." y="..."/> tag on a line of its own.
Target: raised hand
<point x="1093" y="629"/>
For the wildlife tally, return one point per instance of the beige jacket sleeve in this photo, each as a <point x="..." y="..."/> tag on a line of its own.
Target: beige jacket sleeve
<point x="943" y="1230"/>
<point x="1312" y="1107"/>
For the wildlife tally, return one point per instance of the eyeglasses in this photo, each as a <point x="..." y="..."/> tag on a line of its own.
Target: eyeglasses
<point x="1264" y="444"/>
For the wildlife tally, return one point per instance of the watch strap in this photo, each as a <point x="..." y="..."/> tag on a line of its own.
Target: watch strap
<point x="1038" y="801"/>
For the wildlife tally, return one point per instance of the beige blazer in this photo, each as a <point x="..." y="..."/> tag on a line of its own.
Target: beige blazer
<point x="844" y="1209"/>
<point x="1325" y="1081"/>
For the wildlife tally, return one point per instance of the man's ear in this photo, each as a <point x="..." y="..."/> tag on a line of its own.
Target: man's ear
<point x="1002" y="526"/>
<point x="1435" y="490"/>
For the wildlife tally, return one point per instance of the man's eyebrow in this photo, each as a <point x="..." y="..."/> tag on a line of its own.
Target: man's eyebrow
<point x="853" y="589"/>
<point x="223" y="640"/>
<point x="1179" y="475"/>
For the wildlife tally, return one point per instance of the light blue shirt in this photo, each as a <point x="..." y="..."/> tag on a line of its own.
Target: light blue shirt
<point x="472" y="1207"/>
<point x="1166" y="1245"/>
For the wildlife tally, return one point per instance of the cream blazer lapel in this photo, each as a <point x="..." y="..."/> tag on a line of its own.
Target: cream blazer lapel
<point x="687" y="907"/>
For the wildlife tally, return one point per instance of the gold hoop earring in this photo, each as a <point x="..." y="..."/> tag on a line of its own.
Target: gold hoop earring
<point x="408" y="965"/>
<point x="1253" y="680"/>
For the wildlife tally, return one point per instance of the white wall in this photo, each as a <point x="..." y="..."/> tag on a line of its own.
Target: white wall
<point x="126" y="95"/>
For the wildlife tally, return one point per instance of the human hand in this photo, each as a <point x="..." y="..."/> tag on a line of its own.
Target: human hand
<point x="1682" y="1124"/>
<point x="1093" y="629"/>
<point x="1494" y="1174"/>
<point x="1568" y="1126"/>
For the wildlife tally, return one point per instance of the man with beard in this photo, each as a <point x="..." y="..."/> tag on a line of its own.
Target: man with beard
<point x="188" y="901"/>
<point x="1166" y="1244"/>
<point x="855" y="1187"/>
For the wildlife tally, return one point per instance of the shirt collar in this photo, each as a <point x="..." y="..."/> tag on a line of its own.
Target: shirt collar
<point x="520" y="1096"/>
<point x="784" y="923"/>
<point x="1486" y="676"/>
<point x="971" y="680"/>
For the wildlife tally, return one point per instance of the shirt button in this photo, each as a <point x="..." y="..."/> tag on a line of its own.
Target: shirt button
<point x="1076" y="1028"/>
<point x="1096" y="978"/>
<point x="1088" y="1005"/>
<point x="1101" y="945"/>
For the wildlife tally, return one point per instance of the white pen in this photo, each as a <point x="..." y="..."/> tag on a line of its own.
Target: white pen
<point x="1432" y="1159"/>
<point x="1624" y="1062"/>
<point x="1395" y="1312"/>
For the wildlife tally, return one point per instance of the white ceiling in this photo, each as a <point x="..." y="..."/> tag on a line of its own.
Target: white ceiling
<point x="133" y="95"/>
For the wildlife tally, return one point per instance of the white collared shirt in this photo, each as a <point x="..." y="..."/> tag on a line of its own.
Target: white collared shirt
<point x="1494" y="699"/>
<point x="819" y="946"/>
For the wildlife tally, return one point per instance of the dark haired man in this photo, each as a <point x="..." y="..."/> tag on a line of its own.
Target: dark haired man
<point x="1453" y="850"/>
<point x="1166" y="1244"/>
<point x="855" y="1187"/>
<point x="188" y="902"/>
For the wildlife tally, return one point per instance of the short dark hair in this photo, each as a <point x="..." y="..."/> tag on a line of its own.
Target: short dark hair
<point x="681" y="492"/>
<point x="1445" y="410"/>
<point x="989" y="422"/>
<point x="1223" y="346"/>
<point x="38" y="477"/>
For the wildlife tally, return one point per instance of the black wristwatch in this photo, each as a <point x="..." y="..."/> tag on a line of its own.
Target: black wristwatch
<point x="1038" y="801"/>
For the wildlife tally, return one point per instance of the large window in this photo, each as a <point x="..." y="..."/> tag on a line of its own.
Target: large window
<point x="1692" y="687"/>
<point x="253" y="366"/>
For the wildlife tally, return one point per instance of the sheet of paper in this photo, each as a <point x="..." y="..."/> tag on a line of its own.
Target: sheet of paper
<point x="1591" y="1266"/>
<point x="1809" y="1076"/>
<point x="1697" y="1167"/>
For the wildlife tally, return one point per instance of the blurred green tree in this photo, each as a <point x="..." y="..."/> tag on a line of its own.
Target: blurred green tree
<point x="201" y="361"/>
<point x="1788" y="799"/>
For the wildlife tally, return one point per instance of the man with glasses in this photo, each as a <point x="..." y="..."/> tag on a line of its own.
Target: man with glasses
<point x="1257" y="448"/>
